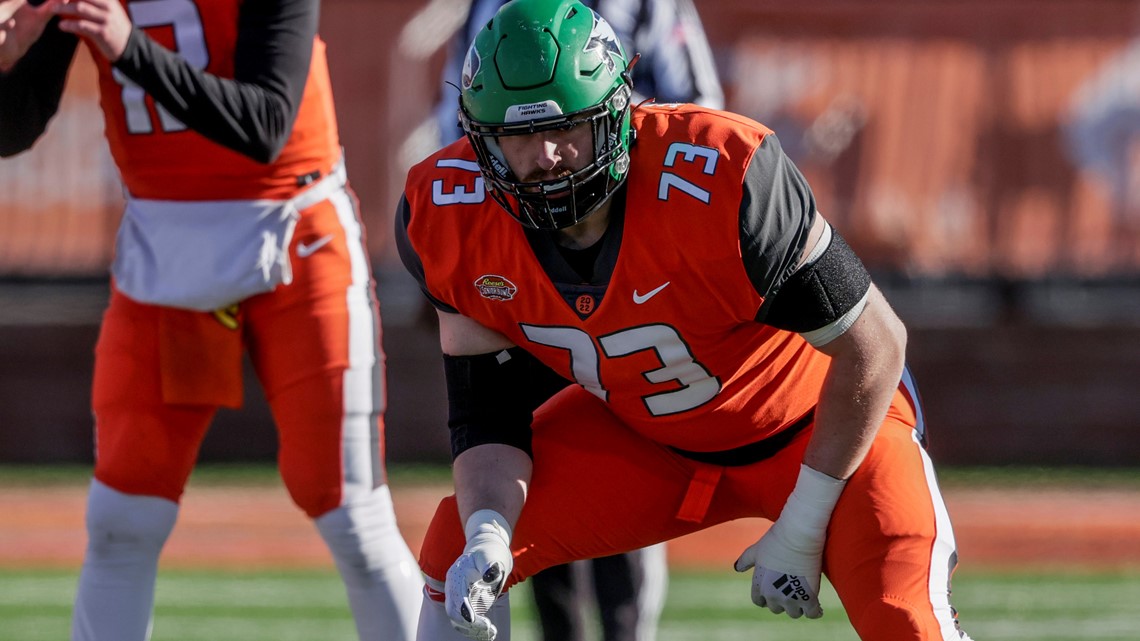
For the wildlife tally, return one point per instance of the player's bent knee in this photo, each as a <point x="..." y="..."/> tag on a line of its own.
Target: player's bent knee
<point x="443" y="542"/>
<point x="362" y="534"/>
<point x="116" y="519"/>
<point x="892" y="619"/>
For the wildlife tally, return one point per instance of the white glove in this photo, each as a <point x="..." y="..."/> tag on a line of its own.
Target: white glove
<point x="477" y="577"/>
<point x="787" y="559"/>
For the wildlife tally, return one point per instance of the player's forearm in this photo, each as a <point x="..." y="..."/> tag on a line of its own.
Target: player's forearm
<point x="866" y="364"/>
<point x="20" y="27"/>
<point x="492" y="477"/>
<point x="253" y="112"/>
<point x="30" y="90"/>
<point x="8" y="8"/>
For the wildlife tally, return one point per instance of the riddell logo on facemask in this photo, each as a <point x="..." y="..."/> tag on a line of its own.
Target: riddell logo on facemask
<point x="499" y="168"/>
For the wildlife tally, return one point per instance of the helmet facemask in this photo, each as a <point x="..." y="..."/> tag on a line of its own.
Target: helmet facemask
<point x="564" y="201"/>
<point x="540" y="66"/>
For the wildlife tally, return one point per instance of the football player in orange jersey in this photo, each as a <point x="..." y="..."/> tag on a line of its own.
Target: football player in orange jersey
<point x="240" y="233"/>
<point x="626" y="590"/>
<point x="660" y="335"/>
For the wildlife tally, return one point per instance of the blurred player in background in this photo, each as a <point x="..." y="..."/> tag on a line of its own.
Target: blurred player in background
<point x="1102" y="132"/>
<point x="240" y="233"/>
<point x="730" y="355"/>
<point x="676" y="65"/>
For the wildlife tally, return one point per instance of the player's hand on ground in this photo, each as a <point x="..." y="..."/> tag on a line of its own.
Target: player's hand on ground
<point x="791" y="590"/>
<point x="786" y="561"/>
<point x="104" y="22"/>
<point x="477" y="578"/>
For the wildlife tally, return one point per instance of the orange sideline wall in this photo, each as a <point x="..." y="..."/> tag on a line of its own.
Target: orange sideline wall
<point x="932" y="130"/>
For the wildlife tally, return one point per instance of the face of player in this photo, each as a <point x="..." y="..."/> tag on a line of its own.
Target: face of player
<point x="548" y="155"/>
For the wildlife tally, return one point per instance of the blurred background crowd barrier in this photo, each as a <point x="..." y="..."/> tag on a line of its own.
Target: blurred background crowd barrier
<point x="982" y="156"/>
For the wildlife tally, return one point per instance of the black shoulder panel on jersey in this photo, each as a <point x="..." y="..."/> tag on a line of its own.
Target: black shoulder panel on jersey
<point x="30" y="91"/>
<point x="409" y="256"/>
<point x="491" y="397"/>
<point x="819" y="293"/>
<point x="252" y="113"/>
<point x="777" y="210"/>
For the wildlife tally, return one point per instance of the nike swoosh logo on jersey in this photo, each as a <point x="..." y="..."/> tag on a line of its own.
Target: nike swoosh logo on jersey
<point x="641" y="298"/>
<point x="304" y="251"/>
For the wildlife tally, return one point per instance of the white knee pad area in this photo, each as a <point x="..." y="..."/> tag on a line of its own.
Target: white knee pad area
<point x="380" y="574"/>
<point x="125" y="535"/>
<point x="117" y="520"/>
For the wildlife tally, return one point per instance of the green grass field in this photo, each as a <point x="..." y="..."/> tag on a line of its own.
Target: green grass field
<point x="707" y="606"/>
<point x="310" y="606"/>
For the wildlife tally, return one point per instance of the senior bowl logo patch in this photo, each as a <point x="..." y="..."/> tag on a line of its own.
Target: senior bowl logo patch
<point x="495" y="287"/>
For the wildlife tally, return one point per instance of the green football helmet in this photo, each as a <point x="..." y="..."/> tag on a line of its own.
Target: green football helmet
<point x="540" y="65"/>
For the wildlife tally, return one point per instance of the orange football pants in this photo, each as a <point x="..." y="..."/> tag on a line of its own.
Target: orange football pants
<point x="161" y="373"/>
<point x="598" y="488"/>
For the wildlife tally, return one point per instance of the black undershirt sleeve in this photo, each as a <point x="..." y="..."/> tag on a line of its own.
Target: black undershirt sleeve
<point x="253" y="113"/>
<point x="410" y="258"/>
<point x="776" y="215"/>
<point x="31" y="90"/>
<point x="777" y="210"/>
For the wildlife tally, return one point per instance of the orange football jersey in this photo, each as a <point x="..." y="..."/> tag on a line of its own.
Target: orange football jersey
<point x="670" y="341"/>
<point x="160" y="158"/>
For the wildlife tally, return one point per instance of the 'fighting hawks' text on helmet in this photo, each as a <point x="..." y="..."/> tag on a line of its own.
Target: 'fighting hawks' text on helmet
<point x="538" y="66"/>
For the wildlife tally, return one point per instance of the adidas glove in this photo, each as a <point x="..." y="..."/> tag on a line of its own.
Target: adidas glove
<point x="787" y="559"/>
<point x="477" y="577"/>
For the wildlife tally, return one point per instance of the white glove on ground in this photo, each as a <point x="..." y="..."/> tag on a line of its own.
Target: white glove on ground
<point x="787" y="559"/>
<point x="477" y="577"/>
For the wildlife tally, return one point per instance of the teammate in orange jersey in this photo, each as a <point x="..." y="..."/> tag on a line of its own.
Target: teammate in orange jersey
<point x="240" y="232"/>
<point x="728" y="353"/>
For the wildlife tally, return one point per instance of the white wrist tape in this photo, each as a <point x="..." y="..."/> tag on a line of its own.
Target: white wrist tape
<point x="804" y="519"/>
<point x="484" y="522"/>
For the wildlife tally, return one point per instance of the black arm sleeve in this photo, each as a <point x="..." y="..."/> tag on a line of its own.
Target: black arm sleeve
<point x="30" y="91"/>
<point x="820" y="293"/>
<point x="253" y="113"/>
<point x="492" y="397"/>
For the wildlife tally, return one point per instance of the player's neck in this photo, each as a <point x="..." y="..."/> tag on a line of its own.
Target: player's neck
<point x="587" y="232"/>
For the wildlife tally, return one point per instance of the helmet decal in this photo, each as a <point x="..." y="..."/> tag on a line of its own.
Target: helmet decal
<point x="471" y="66"/>
<point x="532" y="111"/>
<point x="603" y="42"/>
